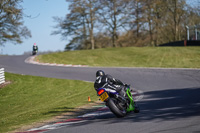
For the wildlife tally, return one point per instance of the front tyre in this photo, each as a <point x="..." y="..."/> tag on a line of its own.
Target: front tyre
<point x="115" y="107"/>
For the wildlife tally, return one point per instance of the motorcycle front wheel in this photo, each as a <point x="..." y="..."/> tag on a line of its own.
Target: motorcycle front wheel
<point x="116" y="108"/>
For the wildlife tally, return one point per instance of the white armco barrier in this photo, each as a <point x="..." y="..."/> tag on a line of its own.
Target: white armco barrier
<point x="2" y="76"/>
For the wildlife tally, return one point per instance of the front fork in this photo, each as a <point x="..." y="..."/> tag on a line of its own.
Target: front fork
<point x="132" y="105"/>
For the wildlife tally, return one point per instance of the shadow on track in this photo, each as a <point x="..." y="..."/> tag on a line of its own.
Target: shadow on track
<point x="160" y="105"/>
<point x="169" y="104"/>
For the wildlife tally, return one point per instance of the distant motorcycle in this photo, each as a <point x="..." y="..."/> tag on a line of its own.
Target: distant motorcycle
<point x="35" y="49"/>
<point x="118" y="105"/>
<point x="34" y="52"/>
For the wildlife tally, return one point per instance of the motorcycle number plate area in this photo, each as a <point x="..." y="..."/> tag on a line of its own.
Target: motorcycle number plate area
<point x="104" y="96"/>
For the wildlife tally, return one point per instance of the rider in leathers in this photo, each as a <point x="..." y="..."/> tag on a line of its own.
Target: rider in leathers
<point x="106" y="81"/>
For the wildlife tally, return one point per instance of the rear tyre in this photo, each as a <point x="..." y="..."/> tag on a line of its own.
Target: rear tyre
<point x="115" y="107"/>
<point x="33" y="53"/>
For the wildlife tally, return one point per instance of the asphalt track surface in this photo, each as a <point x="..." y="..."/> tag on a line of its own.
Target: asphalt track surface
<point x="171" y="102"/>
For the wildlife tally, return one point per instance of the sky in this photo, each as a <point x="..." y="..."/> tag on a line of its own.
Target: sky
<point x="41" y="26"/>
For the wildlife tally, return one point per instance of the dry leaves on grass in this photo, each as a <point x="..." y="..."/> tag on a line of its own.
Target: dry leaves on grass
<point x="5" y="84"/>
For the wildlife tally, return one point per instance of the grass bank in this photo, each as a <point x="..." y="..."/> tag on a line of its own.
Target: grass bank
<point x="166" y="57"/>
<point x="30" y="99"/>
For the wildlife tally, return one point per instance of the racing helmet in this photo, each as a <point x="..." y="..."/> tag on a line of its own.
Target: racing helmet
<point x="100" y="73"/>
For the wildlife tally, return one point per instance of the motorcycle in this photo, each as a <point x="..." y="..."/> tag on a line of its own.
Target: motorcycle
<point x="34" y="52"/>
<point x="118" y="104"/>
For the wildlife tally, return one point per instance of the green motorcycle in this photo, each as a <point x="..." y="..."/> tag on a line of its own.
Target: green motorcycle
<point x="118" y="104"/>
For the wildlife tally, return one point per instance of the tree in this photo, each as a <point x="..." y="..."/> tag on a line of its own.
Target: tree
<point x="155" y="13"/>
<point x="136" y="19"/>
<point x="91" y="13"/>
<point x="163" y="20"/>
<point x="11" y="24"/>
<point x="176" y="12"/>
<point x="113" y="14"/>
<point x="73" y="25"/>
<point x="78" y="24"/>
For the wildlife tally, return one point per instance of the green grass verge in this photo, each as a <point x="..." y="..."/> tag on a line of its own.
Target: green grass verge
<point x="30" y="99"/>
<point x="167" y="57"/>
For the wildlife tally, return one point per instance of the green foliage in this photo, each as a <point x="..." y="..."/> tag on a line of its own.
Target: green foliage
<point x="31" y="99"/>
<point x="177" y="57"/>
<point x="11" y="24"/>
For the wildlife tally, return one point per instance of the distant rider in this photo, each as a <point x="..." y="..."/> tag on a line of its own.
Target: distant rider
<point x="35" y="47"/>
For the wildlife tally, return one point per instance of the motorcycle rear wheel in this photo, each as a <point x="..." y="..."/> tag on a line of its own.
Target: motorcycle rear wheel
<point x="115" y="109"/>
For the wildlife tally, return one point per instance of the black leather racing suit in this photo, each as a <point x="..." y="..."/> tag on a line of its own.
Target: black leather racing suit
<point x="35" y="48"/>
<point x="108" y="81"/>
